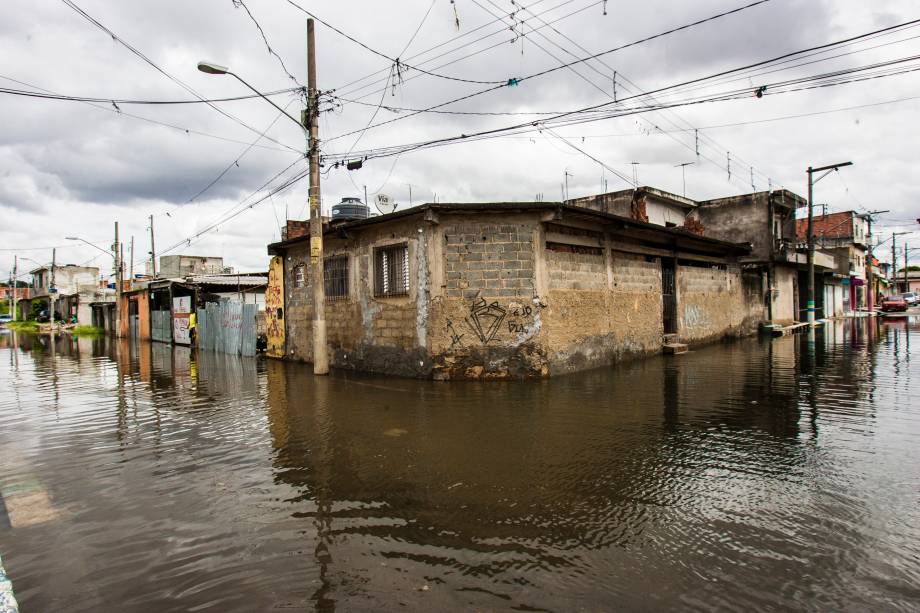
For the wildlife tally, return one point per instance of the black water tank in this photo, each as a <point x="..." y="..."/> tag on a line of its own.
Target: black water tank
<point x="349" y="208"/>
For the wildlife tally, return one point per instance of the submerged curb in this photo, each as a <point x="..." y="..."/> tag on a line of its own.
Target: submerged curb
<point x="7" y="600"/>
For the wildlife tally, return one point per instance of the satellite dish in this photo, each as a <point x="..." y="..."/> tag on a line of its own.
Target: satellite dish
<point x="385" y="204"/>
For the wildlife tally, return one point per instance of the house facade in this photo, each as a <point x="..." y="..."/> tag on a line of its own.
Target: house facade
<point x="767" y="221"/>
<point x="507" y="290"/>
<point x="73" y="289"/>
<point x="844" y="236"/>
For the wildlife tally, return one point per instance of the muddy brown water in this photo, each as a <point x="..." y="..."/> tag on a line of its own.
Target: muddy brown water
<point x="757" y="475"/>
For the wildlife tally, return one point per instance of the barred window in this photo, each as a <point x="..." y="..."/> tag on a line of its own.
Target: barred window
<point x="335" y="276"/>
<point x="391" y="270"/>
<point x="299" y="276"/>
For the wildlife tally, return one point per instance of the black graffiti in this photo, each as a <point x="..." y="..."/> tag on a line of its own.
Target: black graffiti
<point x="456" y="340"/>
<point x="485" y="319"/>
<point x="518" y="328"/>
<point x="519" y="311"/>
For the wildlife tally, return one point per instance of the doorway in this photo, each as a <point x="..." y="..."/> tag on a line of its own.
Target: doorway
<point x="669" y="295"/>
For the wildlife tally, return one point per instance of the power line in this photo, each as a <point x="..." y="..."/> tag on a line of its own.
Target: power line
<point x="438" y="46"/>
<point x="236" y="162"/>
<point x="241" y="206"/>
<point x="123" y="101"/>
<point x="117" y="111"/>
<point x="517" y="81"/>
<point x="153" y="64"/>
<point x="484" y="49"/>
<point x="774" y="89"/>
<point x="240" y="3"/>
<point x="395" y="61"/>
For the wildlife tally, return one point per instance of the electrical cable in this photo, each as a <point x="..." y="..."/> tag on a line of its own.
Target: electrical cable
<point x="119" y="101"/>
<point x="479" y="51"/>
<point x="774" y="89"/>
<point x="117" y="111"/>
<point x="71" y="4"/>
<point x="240" y="3"/>
<point x="516" y="81"/>
<point x="395" y="61"/>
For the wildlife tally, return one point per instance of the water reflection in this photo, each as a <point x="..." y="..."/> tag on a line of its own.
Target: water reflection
<point x="765" y="473"/>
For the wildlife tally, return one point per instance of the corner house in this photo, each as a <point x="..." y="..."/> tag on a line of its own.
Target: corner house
<point x="506" y="290"/>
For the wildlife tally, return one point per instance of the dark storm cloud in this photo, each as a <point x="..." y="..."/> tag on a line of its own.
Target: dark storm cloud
<point x="98" y="165"/>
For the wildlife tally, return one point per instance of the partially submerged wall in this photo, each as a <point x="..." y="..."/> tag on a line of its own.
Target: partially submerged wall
<point x="717" y="301"/>
<point x="503" y="295"/>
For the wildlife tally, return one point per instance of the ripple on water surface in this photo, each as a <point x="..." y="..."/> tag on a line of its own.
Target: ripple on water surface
<point x="767" y="474"/>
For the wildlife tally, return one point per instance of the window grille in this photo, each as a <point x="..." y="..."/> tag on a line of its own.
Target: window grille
<point x="335" y="276"/>
<point x="299" y="276"/>
<point x="391" y="270"/>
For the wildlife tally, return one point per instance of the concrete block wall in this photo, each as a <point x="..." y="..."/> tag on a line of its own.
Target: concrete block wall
<point x="488" y="259"/>
<point x="597" y="326"/>
<point x="580" y="269"/>
<point x="484" y="317"/>
<point x="715" y="302"/>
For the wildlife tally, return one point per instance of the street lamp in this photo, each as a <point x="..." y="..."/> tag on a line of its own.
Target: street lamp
<point x="310" y="126"/>
<point x="116" y="265"/>
<point x="810" y="296"/>
<point x="212" y="68"/>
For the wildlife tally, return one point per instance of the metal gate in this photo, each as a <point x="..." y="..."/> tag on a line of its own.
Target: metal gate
<point x="161" y="326"/>
<point x="669" y="296"/>
<point x="227" y="327"/>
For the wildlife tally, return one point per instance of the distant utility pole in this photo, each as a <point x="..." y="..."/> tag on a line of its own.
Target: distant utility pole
<point x="51" y="289"/>
<point x="131" y="269"/>
<point x="869" y="276"/>
<point x="566" y="175"/>
<point x="15" y="305"/>
<point x="320" y="357"/>
<point x="116" y="248"/>
<point x="894" y="261"/>
<point x="153" y="251"/>
<point x="811" y="234"/>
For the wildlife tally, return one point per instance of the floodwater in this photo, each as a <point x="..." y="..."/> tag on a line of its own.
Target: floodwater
<point x="762" y="474"/>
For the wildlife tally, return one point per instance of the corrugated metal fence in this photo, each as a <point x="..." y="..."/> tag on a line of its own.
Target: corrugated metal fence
<point x="161" y="326"/>
<point x="227" y="327"/>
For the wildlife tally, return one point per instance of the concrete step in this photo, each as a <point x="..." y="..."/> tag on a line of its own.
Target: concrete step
<point x="674" y="348"/>
<point x="669" y="339"/>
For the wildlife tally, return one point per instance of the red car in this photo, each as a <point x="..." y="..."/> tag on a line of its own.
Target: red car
<point x="894" y="303"/>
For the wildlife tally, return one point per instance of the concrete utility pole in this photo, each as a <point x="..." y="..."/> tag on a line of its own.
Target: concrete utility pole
<point x="894" y="260"/>
<point x="810" y="296"/>
<point x="869" y="275"/>
<point x="131" y="269"/>
<point x="153" y="251"/>
<point x="116" y="248"/>
<point x="906" y="283"/>
<point x="15" y="305"/>
<point x="51" y="288"/>
<point x="320" y="357"/>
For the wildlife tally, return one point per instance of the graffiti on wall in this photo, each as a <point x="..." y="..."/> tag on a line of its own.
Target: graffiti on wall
<point x="486" y="319"/>
<point x="274" y="309"/>
<point x="489" y="320"/>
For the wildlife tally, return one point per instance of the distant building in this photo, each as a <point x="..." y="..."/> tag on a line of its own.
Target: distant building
<point x="73" y="290"/>
<point x="174" y="266"/>
<point x="845" y="236"/>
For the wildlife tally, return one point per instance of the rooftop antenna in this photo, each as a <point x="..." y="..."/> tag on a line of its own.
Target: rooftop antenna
<point x="683" y="172"/>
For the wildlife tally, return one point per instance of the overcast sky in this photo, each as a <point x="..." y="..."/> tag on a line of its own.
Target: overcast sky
<point x="73" y="168"/>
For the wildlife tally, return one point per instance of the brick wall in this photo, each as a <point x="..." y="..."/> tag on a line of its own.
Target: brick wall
<point x="493" y="260"/>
